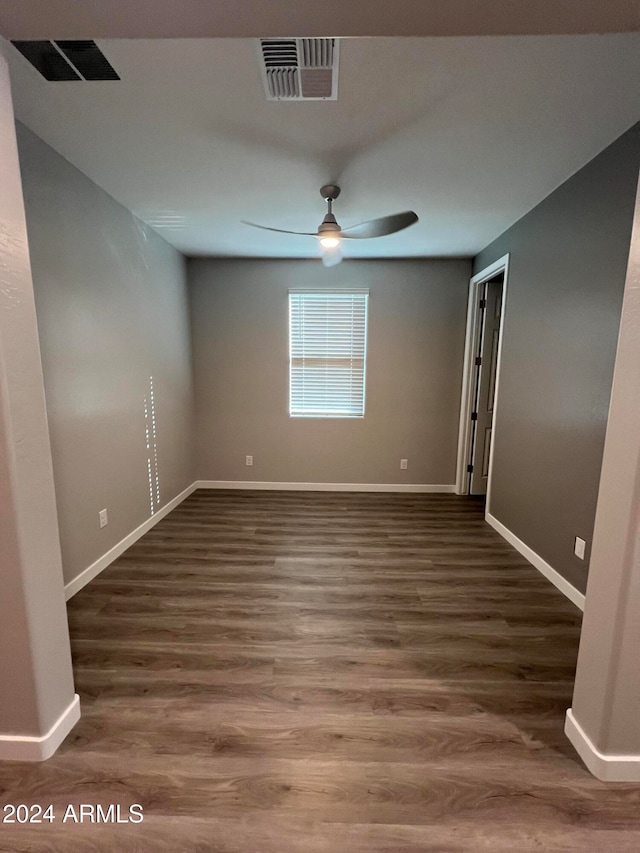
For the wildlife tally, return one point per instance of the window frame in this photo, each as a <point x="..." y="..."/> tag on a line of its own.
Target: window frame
<point x="328" y="292"/>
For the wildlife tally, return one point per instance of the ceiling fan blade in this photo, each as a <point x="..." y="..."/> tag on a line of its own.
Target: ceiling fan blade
<point x="332" y="256"/>
<point x="380" y="227"/>
<point x="279" y="230"/>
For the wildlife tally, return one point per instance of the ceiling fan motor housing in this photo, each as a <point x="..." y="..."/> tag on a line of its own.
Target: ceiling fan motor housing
<point x="329" y="225"/>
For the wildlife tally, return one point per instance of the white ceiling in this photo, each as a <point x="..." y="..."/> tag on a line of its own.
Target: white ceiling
<point x="470" y="132"/>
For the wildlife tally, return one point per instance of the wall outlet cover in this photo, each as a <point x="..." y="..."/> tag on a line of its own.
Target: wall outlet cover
<point x="404" y="464"/>
<point x="249" y="460"/>
<point x="579" y="547"/>
<point x="102" y="515"/>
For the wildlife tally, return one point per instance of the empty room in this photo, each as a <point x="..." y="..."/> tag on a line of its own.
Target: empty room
<point x="319" y="426"/>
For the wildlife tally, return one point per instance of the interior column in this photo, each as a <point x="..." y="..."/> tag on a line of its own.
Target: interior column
<point x="604" y="721"/>
<point x="38" y="706"/>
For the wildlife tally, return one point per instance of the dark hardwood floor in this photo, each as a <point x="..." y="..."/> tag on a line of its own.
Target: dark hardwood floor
<point x="274" y="672"/>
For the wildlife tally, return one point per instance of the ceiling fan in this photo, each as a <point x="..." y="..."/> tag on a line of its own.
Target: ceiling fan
<point x="330" y="235"/>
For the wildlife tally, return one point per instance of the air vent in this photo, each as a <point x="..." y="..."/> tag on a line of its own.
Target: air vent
<point x="280" y="54"/>
<point x="89" y="60"/>
<point x="67" y="60"/>
<point x="46" y="59"/>
<point x="303" y="69"/>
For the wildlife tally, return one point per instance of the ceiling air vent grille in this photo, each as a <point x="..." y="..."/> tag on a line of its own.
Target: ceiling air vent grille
<point x="280" y="53"/>
<point x="47" y="59"/>
<point x="67" y="60"/>
<point x="88" y="59"/>
<point x="283" y="83"/>
<point x="303" y="69"/>
<point x="317" y="53"/>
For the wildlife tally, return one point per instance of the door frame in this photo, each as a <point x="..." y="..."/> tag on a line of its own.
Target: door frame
<point x="468" y="373"/>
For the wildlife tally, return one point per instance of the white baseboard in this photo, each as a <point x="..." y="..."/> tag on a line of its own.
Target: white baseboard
<point x="607" y="768"/>
<point x="324" y="487"/>
<point x="536" y="560"/>
<point x="30" y="748"/>
<point x="113" y="553"/>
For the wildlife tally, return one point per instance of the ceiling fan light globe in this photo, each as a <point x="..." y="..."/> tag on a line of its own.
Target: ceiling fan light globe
<point x="329" y="242"/>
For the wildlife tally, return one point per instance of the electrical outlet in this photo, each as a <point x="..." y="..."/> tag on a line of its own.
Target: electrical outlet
<point x="404" y="463"/>
<point x="578" y="547"/>
<point x="102" y="515"/>
<point x="248" y="460"/>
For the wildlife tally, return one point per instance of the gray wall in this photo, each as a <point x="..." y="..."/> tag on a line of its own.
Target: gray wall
<point x="414" y="366"/>
<point x="112" y="311"/>
<point x="568" y="262"/>
<point x="36" y="681"/>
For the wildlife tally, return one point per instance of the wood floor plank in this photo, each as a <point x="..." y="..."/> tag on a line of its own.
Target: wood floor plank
<point x="295" y="835"/>
<point x="271" y="672"/>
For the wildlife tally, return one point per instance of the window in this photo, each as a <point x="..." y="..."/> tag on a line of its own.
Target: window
<point x="327" y="353"/>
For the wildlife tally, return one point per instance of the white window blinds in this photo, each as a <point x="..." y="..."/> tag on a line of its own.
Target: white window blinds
<point x="327" y="353"/>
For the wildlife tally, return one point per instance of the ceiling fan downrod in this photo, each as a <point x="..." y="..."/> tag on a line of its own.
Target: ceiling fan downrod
<point x="329" y="227"/>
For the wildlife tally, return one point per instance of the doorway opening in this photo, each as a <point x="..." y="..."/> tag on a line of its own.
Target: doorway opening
<point x="485" y="321"/>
